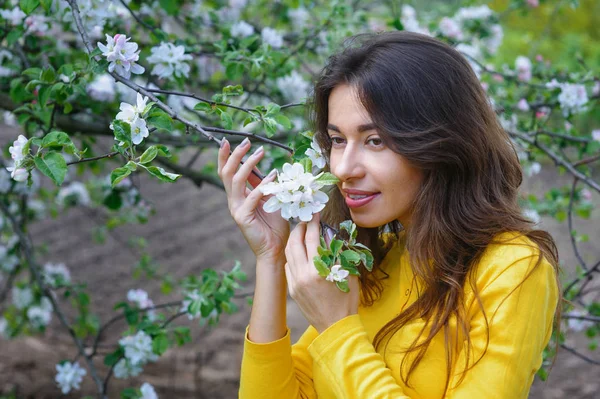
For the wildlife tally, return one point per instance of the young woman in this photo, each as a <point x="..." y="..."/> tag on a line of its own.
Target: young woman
<point x="464" y="293"/>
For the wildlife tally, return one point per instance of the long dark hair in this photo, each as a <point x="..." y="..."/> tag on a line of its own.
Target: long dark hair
<point x="429" y="106"/>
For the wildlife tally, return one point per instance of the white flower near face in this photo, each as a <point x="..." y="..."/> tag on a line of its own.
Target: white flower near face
<point x="450" y="28"/>
<point x="17" y="150"/>
<point x="55" y="274"/>
<point x="22" y="297"/>
<point x="14" y="16"/>
<point x="69" y="376"/>
<point x="102" y="88"/>
<point x="316" y="154"/>
<point x="307" y="205"/>
<point x="337" y="274"/>
<point x="124" y="369"/>
<point x="138" y="348"/>
<point x="148" y="391"/>
<point x="241" y="29"/>
<point x="40" y="315"/>
<point x="293" y="87"/>
<point x="271" y="37"/>
<point x="523" y="66"/>
<point x="121" y="55"/>
<point x="169" y="60"/>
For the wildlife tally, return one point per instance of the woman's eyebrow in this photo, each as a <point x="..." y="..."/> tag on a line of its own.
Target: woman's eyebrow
<point x="361" y="128"/>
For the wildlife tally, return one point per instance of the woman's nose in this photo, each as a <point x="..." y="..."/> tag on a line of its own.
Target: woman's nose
<point x="348" y="165"/>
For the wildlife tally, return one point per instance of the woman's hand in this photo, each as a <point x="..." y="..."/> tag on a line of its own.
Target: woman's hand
<point x="266" y="233"/>
<point x="321" y="302"/>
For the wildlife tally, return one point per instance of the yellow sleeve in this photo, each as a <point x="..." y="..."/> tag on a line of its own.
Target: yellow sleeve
<point x="519" y="331"/>
<point x="278" y="369"/>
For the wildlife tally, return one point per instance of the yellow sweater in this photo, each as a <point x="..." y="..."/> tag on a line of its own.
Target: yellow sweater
<point x="342" y="363"/>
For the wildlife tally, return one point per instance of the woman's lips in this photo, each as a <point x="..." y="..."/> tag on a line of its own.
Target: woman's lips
<point x="356" y="203"/>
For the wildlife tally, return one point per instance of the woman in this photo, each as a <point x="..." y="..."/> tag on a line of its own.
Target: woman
<point x="463" y="296"/>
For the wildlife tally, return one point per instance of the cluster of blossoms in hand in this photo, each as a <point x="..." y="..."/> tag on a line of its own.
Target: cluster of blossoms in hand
<point x="121" y="55"/>
<point x="134" y="116"/>
<point x="69" y="376"/>
<point x="18" y="152"/>
<point x="169" y="60"/>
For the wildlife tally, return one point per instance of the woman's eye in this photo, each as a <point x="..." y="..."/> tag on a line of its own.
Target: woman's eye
<point x="334" y="140"/>
<point x="376" y="141"/>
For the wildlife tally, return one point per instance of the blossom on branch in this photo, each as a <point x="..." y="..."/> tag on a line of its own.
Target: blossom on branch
<point x="14" y="16"/>
<point x="169" y="60"/>
<point x="69" y="376"/>
<point x="121" y="55"/>
<point x="272" y="37"/>
<point x="241" y="29"/>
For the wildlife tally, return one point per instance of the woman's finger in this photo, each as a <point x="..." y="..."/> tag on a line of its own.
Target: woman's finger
<point x="296" y="245"/>
<point x="232" y="162"/>
<point x="312" y="238"/>
<point x="238" y="182"/>
<point x="253" y="197"/>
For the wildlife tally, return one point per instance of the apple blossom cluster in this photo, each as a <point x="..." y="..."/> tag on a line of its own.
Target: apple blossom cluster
<point x="271" y="37"/>
<point x="18" y="152"/>
<point x="523" y="66"/>
<point x="573" y="97"/>
<point x="293" y="87"/>
<point x="169" y="60"/>
<point x="138" y="350"/>
<point x="94" y="13"/>
<point x="69" y="376"/>
<point x="241" y="29"/>
<point x="141" y="299"/>
<point x="466" y="21"/>
<point x="133" y="115"/>
<point x="121" y="55"/>
<point x="296" y="193"/>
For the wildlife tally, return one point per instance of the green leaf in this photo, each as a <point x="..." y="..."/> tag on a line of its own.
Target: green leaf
<point x="273" y="109"/>
<point x="307" y="164"/>
<point x="132" y="316"/>
<point x="56" y="139"/>
<point x="350" y="256"/>
<point x="118" y="175"/>
<point x="149" y="155"/>
<point x="236" y="90"/>
<point x="336" y="246"/>
<point x="122" y="131"/>
<point x="162" y="175"/>
<point x="47" y="4"/>
<point x="112" y="358"/>
<point x="28" y="6"/>
<point x="33" y="73"/>
<point x="52" y="165"/>
<point x="327" y="179"/>
<point x="323" y="251"/>
<point x="227" y="120"/>
<point x="343" y="286"/>
<point x="48" y="75"/>
<point x="163" y="150"/>
<point x="321" y="267"/>
<point x="160" y="344"/>
<point x="132" y="166"/>
<point x="170" y="6"/>
<point x="161" y="120"/>
<point x="368" y="261"/>
<point x="201" y="106"/>
<point x="283" y="121"/>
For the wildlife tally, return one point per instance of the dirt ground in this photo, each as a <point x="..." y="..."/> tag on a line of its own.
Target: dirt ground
<point x="192" y="230"/>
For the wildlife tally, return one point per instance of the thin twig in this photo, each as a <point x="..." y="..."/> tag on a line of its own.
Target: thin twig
<point x="110" y="155"/>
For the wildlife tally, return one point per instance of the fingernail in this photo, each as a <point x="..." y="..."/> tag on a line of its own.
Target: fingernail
<point x="258" y="151"/>
<point x="245" y="142"/>
<point x="223" y="141"/>
<point x="272" y="173"/>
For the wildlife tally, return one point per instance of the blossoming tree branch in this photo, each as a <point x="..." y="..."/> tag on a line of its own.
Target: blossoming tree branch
<point x="122" y="88"/>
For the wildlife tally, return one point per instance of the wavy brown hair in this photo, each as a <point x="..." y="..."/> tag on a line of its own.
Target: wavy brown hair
<point x="429" y="106"/>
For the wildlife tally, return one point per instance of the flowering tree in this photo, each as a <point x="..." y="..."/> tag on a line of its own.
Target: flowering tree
<point x="124" y="87"/>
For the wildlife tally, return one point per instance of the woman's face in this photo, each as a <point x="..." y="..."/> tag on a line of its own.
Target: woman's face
<point x="361" y="161"/>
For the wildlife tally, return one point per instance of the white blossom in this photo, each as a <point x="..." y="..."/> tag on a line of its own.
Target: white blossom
<point x="298" y="17"/>
<point x="494" y="41"/>
<point x="121" y="55"/>
<point x="241" y="29"/>
<point x="130" y="112"/>
<point x="533" y="169"/>
<point x="138" y="348"/>
<point x="316" y="155"/>
<point x="141" y="299"/>
<point x="450" y="28"/>
<point x="192" y="296"/>
<point x="69" y="376"/>
<point x="56" y="273"/>
<point x="533" y="215"/>
<point x="296" y="193"/>
<point x="9" y="118"/>
<point x="478" y="12"/>
<point x="272" y="37"/>
<point x="337" y="274"/>
<point x="22" y="297"/>
<point x="169" y="60"/>
<point x="148" y="391"/>
<point x="74" y="193"/>
<point x="14" y="16"/>
<point x="596" y="134"/>
<point x="6" y="55"/>
<point x="572" y="98"/>
<point x="124" y="369"/>
<point x="139" y="130"/>
<point x="102" y="88"/>
<point x="18" y="174"/>
<point x="41" y="314"/>
<point x="37" y="25"/>
<point x="523" y="105"/>
<point x="409" y="20"/>
<point x="293" y="86"/>
<point x="17" y="150"/>
<point x="523" y="66"/>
